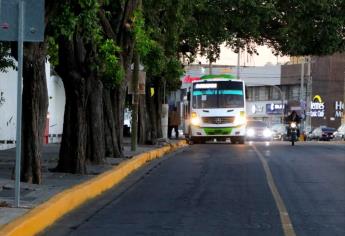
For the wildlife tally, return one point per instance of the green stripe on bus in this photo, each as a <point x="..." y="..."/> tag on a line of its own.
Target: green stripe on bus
<point x="218" y="131"/>
<point x="222" y="76"/>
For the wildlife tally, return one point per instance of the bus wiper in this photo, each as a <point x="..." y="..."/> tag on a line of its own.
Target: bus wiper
<point x="229" y="110"/>
<point x="205" y="110"/>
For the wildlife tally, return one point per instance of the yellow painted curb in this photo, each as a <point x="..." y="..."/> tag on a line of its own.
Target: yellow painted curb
<point x="39" y="218"/>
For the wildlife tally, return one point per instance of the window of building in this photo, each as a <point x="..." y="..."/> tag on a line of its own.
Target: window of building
<point x="263" y="94"/>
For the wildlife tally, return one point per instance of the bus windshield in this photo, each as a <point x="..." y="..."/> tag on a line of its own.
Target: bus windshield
<point x="218" y="94"/>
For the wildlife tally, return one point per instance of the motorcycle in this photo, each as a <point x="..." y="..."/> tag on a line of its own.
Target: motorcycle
<point x="293" y="132"/>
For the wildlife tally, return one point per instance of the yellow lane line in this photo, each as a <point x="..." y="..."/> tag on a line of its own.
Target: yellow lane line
<point x="284" y="215"/>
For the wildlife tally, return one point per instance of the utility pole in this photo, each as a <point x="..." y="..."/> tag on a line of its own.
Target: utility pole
<point x="210" y="71"/>
<point x="135" y="101"/>
<point x="238" y="63"/>
<point x="309" y="93"/>
<point x="343" y="118"/>
<point x="301" y="97"/>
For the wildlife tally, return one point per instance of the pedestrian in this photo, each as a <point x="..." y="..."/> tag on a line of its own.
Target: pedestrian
<point x="173" y="122"/>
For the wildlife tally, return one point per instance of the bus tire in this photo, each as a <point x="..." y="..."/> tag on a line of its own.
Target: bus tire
<point x="196" y="140"/>
<point x="241" y="140"/>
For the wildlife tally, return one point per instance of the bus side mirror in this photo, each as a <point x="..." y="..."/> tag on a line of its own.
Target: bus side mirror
<point x="246" y="91"/>
<point x="188" y="96"/>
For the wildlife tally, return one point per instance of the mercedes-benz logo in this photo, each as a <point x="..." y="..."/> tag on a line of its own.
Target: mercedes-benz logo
<point x="218" y="120"/>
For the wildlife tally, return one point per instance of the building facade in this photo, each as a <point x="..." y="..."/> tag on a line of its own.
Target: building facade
<point x="322" y="102"/>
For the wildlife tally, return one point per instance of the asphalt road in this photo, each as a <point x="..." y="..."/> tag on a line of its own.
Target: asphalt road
<point x="224" y="189"/>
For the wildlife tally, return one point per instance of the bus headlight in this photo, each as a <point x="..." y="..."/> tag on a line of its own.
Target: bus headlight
<point x="241" y="118"/>
<point x="250" y="132"/>
<point x="195" y="119"/>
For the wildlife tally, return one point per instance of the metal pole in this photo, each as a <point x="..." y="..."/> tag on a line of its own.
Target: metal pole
<point x="343" y="118"/>
<point x="238" y="63"/>
<point x="309" y="93"/>
<point x="19" y="101"/>
<point x="301" y="97"/>
<point x="302" y="81"/>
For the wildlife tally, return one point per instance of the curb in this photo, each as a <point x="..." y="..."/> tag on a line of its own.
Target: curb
<point x="45" y="214"/>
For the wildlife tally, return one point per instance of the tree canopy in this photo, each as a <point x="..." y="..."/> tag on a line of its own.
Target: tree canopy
<point x="92" y="42"/>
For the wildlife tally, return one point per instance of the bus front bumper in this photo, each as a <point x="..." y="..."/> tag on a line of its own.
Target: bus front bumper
<point x="237" y="131"/>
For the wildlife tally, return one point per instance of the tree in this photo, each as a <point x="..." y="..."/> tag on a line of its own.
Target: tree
<point x="306" y="27"/>
<point x="118" y="26"/>
<point x="94" y="62"/>
<point x="78" y="38"/>
<point x="35" y="103"/>
<point x="163" y="26"/>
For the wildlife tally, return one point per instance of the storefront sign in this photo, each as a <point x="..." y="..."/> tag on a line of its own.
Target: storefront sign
<point x="257" y="108"/>
<point x="339" y="109"/>
<point x="317" y="107"/>
<point x="274" y="108"/>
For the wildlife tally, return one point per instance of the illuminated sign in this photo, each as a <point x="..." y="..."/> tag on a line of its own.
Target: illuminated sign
<point x="317" y="107"/>
<point x="275" y="108"/>
<point x="339" y="108"/>
<point x="257" y="108"/>
<point x="206" y="86"/>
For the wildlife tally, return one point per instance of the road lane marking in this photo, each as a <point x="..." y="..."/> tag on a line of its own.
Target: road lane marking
<point x="283" y="213"/>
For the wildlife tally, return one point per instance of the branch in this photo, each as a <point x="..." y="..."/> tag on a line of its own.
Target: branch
<point x="108" y="30"/>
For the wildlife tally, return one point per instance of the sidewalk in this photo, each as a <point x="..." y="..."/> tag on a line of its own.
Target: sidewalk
<point x="53" y="183"/>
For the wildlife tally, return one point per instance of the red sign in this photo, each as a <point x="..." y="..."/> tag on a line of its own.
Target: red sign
<point x="190" y="79"/>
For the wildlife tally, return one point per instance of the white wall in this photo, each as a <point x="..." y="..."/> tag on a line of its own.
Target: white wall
<point x="8" y="108"/>
<point x="57" y="100"/>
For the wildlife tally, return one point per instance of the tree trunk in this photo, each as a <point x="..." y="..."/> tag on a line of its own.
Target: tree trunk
<point x="118" y="98"/>
<point x="35" y="107"/>
<point x="96" y="142"/>
<point x="158" y="100"/>
<point x="73" y="144"/>
<point x="112" y="148"/>
<point x="154" y="109"/>
<point x="144" y="124"/>
<point x="73" y="71"/>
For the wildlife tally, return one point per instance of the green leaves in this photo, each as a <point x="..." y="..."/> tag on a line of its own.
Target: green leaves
<point x="112" y="71"/>
<point x="308" y="27"/>
<point x="143" y="42"/>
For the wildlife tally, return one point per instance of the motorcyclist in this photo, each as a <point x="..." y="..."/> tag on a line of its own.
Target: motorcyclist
<point x="293" y="117"/>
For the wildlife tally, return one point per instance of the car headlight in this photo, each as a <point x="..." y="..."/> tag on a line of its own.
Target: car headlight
<point x="293" y="125"/>
<point x="195" y="120"/>
<point x="250" y="132"/>
<point x="241" y="119"/>
<point x="267" y="133"/>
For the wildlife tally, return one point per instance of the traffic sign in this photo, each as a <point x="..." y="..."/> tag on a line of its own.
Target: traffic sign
<point x="33" y="20"/>
<point x="21" y="21"/>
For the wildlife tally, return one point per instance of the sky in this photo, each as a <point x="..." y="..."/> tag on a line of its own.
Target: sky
<point x="228" y="57"/>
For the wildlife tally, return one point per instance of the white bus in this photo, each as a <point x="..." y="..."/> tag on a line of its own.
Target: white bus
<point x="217" y="106"/>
